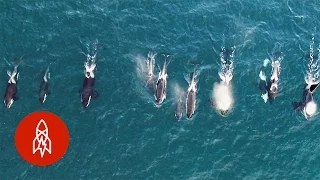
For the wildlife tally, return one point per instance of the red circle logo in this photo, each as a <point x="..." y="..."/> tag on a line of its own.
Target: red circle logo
<point x="42" y="138"/>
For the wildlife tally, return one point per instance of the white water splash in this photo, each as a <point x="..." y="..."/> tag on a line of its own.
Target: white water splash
<point x="226" y="72"/>
<point x="89" y="69"/>
<point x="141" y="84"/>
<point x="151" y="63"/>
<point x="92" y="47"/>
<point x="141" y="67"/>
<point x="179" y="95"/>
<point x="90" y="63"/>
<point x="313" y="68"/>
<point x="310" y="109"/>
<point x="266" y="62"/>
<point x="222" y="96"/>
<point x="276" y="68"/>
<point x="178" y="91"/>
<point x="311" y="78"/>
<point x="262" y="76"/>
<point x="222" y="92"/>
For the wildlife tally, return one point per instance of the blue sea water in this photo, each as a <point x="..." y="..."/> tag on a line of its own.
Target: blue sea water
<point x="122" y="135"/>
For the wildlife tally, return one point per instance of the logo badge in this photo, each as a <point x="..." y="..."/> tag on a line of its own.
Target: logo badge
<point x="42" y="138"/>
<point x="42" y="142"/>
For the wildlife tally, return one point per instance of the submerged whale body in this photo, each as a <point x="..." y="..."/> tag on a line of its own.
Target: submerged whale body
<point x="179" y="106"/>
<point x="87" y="92"/>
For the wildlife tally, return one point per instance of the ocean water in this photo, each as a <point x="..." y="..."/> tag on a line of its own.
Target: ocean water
<point x="123" y="135"/>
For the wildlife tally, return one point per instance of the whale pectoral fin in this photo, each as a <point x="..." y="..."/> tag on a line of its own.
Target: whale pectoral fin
<point x="95" y="94"/>
<point x="265" y="97"/>
<point x="48" y="92"/>
<point x="80" y="91"/>
<point x="262" y="76"/>
<point x="298" y="106"/>
<point x="15" y="98"/>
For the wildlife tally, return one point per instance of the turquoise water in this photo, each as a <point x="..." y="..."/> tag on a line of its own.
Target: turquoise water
<point x="122" y="135"/>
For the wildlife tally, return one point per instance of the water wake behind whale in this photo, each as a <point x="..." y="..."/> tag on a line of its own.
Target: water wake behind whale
<point x="222" y="92"/>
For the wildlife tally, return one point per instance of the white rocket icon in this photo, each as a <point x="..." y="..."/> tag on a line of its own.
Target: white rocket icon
<point x="42" y="141"/>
